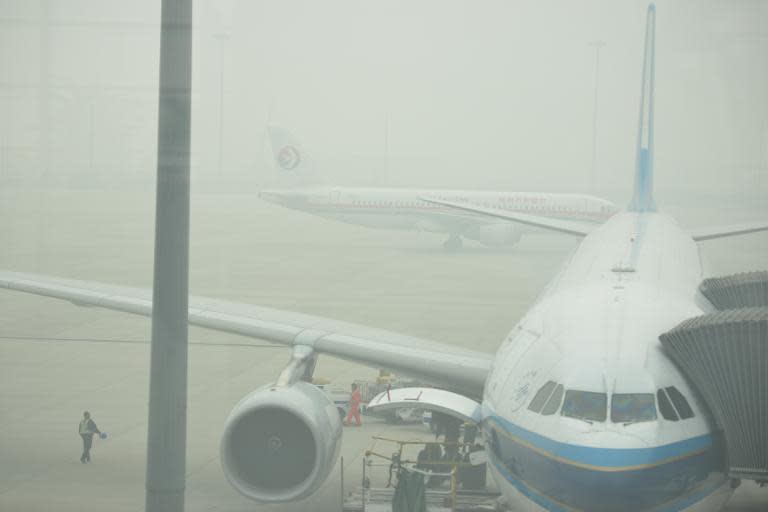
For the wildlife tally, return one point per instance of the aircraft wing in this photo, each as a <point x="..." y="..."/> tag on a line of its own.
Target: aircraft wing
<point x="709" y="233"/>
<point x="561" y="226"/>
<point x="440" y="364"/>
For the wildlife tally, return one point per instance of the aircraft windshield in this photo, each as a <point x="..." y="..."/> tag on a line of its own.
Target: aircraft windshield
<point x="585" y="405"/>
<point x="541" y="396"/>
<point x="632" y="408"/>
<point x="553" y="404"/>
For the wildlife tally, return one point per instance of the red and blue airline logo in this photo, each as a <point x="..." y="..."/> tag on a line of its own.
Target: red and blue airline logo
<point x="288" y="158"/>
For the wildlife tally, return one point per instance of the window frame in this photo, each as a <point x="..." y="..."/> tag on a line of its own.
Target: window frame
<point x="678" y="399"/>
<point x="558" y="392"/>
<point x="630" y="420"/>
<point x="662" y="401"/>
<point x="570" y="392"/>
<point x="544" y="395"/>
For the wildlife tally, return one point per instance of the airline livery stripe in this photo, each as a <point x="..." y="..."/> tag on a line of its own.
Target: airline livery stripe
<point x="696" y="494"/>
<point x="603" y="459"/>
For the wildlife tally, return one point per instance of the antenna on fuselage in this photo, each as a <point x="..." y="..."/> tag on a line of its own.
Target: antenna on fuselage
<point x="642" y="197"/>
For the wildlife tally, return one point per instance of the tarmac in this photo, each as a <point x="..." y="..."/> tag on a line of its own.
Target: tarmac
<point x="241" y="250"/>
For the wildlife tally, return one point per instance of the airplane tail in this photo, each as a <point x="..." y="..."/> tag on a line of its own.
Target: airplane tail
<point x="642" y="197"/>
<point x="289" y="159"/>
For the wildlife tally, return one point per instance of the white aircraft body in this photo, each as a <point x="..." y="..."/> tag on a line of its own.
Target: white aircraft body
<point x="405" y="209"/>
<point x="581" y="408"/>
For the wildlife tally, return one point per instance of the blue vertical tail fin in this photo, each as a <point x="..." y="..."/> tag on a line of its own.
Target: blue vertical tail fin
<point x="642" y="197"/>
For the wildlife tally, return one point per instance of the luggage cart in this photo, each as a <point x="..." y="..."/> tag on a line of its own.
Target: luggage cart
<point x="379" y="473"/>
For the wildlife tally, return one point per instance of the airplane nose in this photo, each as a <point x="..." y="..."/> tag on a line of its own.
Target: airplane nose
<point x="606" y="469"/>
<point x="642" y="436"/>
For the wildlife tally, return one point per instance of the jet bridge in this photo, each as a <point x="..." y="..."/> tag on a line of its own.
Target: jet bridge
<point x="745" y="290"/>
<point x="725" y="356"/>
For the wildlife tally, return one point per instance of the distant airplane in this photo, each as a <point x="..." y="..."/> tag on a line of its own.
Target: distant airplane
<point x="405" y="208"/>
<point x="581" y="408"/>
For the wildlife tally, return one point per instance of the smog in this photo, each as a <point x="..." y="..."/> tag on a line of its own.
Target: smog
<point x="333" y="145"/>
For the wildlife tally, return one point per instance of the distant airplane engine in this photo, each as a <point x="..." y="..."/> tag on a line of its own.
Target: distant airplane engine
<point x="281" y="443"/>
<point x="494" y="235"/>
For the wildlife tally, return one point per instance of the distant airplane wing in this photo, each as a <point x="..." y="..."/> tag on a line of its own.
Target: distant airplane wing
<point x="709" y="233"/>
<point x="561" y="226"/>
<point x="440" y="364"/>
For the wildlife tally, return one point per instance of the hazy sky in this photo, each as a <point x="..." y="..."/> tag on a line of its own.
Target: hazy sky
<point x="471" y="94"/>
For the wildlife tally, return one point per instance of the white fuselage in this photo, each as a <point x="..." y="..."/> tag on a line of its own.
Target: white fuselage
<point x="405" y="209"/>
<point x="600" y="440"/>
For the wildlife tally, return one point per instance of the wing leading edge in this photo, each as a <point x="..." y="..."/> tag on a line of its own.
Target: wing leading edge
<point x="710" y="233"/>
<point x="440" y="364"/>
<point x="580" y="229"/>
<point x="561" y="226"/>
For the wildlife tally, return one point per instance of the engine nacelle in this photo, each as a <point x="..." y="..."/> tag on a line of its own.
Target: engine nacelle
<point x="281" y="443"/>
<point x="494" y="235"/>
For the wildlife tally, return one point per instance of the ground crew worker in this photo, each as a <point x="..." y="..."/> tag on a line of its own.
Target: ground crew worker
<point x="354" y="406"/>
<point x="87" y="429"/>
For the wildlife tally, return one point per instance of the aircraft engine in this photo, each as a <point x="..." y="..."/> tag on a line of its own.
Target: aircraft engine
<point x="281" y="443"/>
<point x="495" y="235"/>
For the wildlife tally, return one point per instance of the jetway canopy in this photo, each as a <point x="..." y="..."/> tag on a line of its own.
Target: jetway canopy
<point x="725" y="355"/>
<point x="745" y="290"/>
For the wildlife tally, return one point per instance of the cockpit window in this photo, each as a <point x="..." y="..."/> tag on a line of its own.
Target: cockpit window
<point x="681" y="404"/>
<point x="585" y="405"/>
<point x="541" y="396"/>
<point x="665" y="406"/>
<point x="632" y="407"/>
<point x="553" y="404"/>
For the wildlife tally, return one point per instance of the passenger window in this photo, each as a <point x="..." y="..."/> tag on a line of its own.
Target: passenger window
<point x="553" y="404"/>
<point x="632" y="407"/>
<point x="681" y="404"/>
<point x="665" y="406"/>
<point x="585" y="405"/>
<point x="541" y="396"/>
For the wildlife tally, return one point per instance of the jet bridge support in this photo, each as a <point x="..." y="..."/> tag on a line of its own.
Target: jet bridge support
<point x="725" y="356"/>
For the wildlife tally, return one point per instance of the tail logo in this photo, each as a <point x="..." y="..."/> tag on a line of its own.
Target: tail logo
<point x="288" y="158"/>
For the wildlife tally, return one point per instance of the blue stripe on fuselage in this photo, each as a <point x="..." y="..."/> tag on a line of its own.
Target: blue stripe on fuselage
<point x="601" y="479"/>
<point x="683" y="502"/>
<point x="604" y="458"/>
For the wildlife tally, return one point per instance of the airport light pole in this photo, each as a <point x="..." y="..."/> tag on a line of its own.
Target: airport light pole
<point x="43" y="92"/>
<point x="167" y="425"/>
<point x="91" y="102"/>
<point x="597" y="45"/>
<point x="222" y="37"/>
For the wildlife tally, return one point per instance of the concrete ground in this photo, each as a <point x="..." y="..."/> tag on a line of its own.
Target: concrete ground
<point x="242" y="250"/>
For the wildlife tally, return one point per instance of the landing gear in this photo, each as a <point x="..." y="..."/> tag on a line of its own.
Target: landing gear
<point x="453" y="243"/>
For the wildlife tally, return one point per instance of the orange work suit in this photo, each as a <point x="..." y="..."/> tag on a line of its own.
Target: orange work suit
<point x="354" y="408"/>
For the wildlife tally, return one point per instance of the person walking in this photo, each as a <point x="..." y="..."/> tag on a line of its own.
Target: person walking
<point x="354" y="406"/>
<point x="86" y="430"/>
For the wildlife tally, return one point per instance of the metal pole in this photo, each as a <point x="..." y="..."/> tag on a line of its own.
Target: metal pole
<point x="385" y="175"/>
<point x="222" y="37"/>
<point x="43" y="93"/>
<point x="2" y="158"/>
<point x="453" y="488"/>
<point x="167" y="432"/>
<point x="362" y="487"/>
<point x="342" y="483"/>
<point x="90" y="140"/>
<point x="596" y="45"/>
